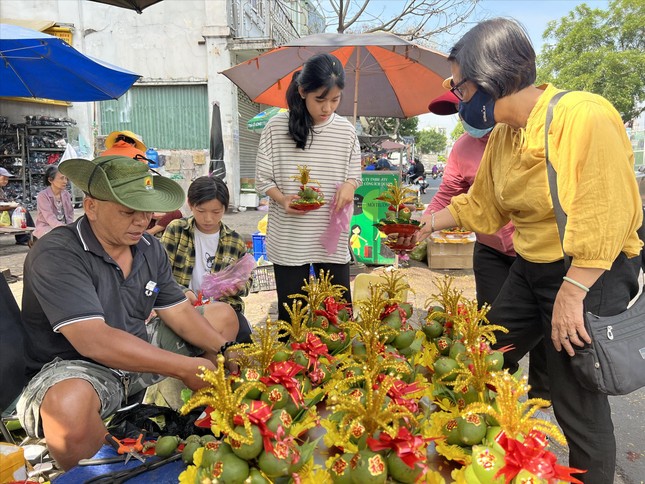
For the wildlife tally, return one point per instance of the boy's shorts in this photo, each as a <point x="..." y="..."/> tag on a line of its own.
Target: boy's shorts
<point x="112" y="386"/>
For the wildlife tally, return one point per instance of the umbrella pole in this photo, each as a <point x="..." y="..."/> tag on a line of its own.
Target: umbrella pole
<point x="356" y="78"/>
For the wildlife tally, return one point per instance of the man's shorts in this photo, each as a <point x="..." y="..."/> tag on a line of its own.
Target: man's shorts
<point x="112" y="386"/>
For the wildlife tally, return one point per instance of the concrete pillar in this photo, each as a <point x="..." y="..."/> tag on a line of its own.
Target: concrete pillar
<point x="217" y="34"/>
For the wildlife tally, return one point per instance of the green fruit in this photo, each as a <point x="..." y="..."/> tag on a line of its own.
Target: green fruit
<point x="247" y="451"/>
<point x="472" y="429"/>
<point x="442" y="368"/>
<point x="393" y="319"/>
<point x="407" y="307"/>
<point x="281" y="356"/>
<point x="525" y="476"/>
<point x="404" y="339"/>
<point x="272" y="466"/>
<point x="443" y="345"/>
<point x="451" y="431"/>
<point x="358" y="349"/>
<point x="193" y="438"/>
<point x="209" y="458"/>
<point x="343" y="315"/>
<point x="167" y="445"/>
<point x="405" y="214"/>
<point x="278" y="418"/>
<point x="189" y="450"/>
<point x="251" y="375"/>
<point x="491" y="439"/>
<point x="275" y="395"/>
<point x="457" y="349"/>
<point x="234" y="470"/>
<point x="400" y="471"/>
<point x="470" y="476"/>
<point x="222" y="449"/>
<point x="370" y="468"/>
<point x="204" y="439"/>
<point x="354" y="371"/>
<point x="486" y="462"/>
<point x="341" y="469"/>
<point x="432" y="329"/>
<point x="300" y="358"/>
<point x="407" y="352"/>
<point x="320" y="322"/>
<point x="495" y="361"/>
<point x="437" y="309"/>
<point x="335" y="339"/>
<point x="466" y="395"/>
<point x="256" y="477"/>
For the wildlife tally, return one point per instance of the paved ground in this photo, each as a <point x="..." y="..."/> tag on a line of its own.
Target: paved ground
<point x="628" y="412"/>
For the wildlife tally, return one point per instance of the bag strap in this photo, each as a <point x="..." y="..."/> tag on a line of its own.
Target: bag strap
<point x="560" y="216"/>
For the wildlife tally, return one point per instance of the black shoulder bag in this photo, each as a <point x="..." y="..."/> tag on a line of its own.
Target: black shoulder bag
<point x="614" y="362"/>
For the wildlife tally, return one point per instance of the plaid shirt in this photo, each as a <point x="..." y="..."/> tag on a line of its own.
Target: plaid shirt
<point x="179" y="241"/>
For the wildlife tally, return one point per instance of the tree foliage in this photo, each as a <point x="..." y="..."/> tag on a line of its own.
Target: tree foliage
<point x="392" y="127"/>
<point x="431" y="141"/>
<point x="417" y="19"/>
<point x="600" y="51"/>
<point x="457" y="132"/>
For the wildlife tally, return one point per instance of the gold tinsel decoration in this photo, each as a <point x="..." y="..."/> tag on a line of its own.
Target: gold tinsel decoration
<point x="266" y="344"/>
<point x="225" y="402"/>
<point x="515" y="417"/>
<point x="298" y="328"/>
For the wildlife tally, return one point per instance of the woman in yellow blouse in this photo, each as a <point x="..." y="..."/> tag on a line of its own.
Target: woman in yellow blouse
<point x="493" y="74"/>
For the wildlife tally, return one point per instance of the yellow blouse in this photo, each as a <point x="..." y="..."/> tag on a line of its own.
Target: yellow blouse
<point x="592" y="155"/>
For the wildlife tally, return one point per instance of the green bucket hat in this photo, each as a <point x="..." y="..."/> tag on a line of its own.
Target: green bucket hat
<point x="124" y="180"/>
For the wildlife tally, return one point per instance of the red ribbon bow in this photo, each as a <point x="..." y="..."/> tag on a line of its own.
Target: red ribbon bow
<point x="399" y="390"/>
<point x="283" y="373"/>
<point x="410" y="448"/>
<point x="259" y="414"/>
<point x="314" y="348"/>
<point x="532" y="456"/>
<point x="331" y="310"/>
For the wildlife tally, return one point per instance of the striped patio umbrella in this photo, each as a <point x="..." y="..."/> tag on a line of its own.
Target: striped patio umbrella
<point x="384" y="74"/>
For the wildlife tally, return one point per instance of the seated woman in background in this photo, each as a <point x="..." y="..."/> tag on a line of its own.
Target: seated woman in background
<point x="202" y="244"/>
<point x="54" y="203"/>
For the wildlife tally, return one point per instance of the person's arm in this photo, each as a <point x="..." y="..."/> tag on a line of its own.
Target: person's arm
<point x="115" y="348"/>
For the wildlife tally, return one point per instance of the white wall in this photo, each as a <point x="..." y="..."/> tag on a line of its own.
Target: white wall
<point x="172" y="41"/>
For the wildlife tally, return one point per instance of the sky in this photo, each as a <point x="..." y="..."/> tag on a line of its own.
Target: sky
<point x="533" y="14"/>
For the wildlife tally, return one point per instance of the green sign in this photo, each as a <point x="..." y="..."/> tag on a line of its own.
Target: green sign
<point x="365" y="241"/>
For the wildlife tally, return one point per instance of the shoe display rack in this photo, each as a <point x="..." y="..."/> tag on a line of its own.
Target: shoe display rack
<point x="12" y="157"/>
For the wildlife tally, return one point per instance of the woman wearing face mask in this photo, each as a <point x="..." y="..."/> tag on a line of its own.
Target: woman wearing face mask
<point x="493" y="71"/>
<point x="493" y="254"/>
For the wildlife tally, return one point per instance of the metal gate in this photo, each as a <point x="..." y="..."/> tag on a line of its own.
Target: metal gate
<point x="249" y="140"/>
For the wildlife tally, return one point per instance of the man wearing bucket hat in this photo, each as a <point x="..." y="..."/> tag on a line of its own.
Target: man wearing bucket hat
<point x="125" y="143"/>
<point x="89" y="289"/>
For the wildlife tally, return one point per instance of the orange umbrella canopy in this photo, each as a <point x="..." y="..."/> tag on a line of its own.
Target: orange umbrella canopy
<point x="384" y="74"/>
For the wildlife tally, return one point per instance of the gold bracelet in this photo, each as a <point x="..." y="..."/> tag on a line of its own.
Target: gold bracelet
<point x="576" y="283"/>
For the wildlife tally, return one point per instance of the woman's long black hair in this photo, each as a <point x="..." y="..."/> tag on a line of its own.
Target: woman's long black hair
<point x="321" y="70"/>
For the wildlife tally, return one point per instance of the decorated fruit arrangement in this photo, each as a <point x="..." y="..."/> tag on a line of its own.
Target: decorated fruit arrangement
<point x="398" y="219"/>
<point x="309" y="197"/>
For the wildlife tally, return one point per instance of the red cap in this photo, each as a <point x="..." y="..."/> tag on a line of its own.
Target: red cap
<point x="445" y="104"/>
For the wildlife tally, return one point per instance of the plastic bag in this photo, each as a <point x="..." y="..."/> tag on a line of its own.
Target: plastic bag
<point x="5" y="219"/>
<point x="234" y="277"/>
<point x="338" y="223"/>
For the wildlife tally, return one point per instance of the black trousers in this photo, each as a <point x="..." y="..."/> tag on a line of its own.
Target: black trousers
<point x="290" y="279"/>
<point x="525" y="307"/>
<point x="491" y="269"/>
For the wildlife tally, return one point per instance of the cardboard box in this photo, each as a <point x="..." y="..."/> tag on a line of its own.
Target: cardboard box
<point x="450" y="256"/>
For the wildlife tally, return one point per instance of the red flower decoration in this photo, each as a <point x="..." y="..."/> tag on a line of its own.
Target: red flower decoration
<point x="410" y="448"/>
<point x="314" y="348"/>
<point x="283" y="373"/>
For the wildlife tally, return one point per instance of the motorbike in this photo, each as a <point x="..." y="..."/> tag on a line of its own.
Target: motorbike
<point x="419" y="183"/>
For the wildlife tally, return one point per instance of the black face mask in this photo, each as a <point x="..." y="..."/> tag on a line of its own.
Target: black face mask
<point x="478" y="112"/>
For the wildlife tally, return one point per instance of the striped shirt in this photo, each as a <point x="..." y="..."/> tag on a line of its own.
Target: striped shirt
<point x="333" y="157"/>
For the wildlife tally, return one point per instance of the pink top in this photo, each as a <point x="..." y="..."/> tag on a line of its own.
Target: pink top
<point x="458" y="176"/>
<point x="47" y="216"/>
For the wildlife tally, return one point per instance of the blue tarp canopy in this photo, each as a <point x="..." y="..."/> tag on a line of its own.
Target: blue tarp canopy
<point x="34" y="64"/>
